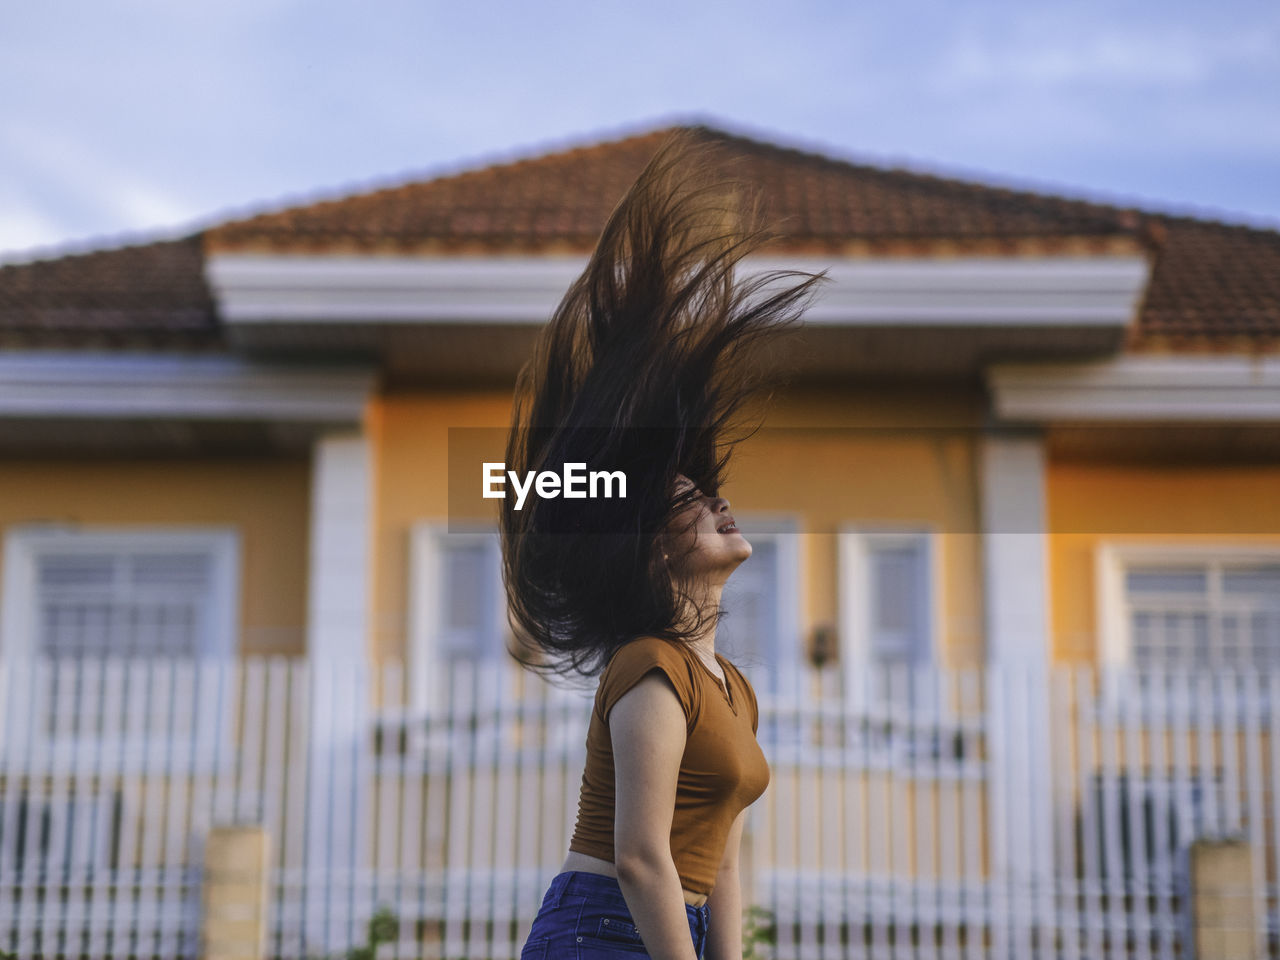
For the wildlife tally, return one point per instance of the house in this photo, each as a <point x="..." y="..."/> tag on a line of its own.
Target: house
<point x="1021" y="429"/>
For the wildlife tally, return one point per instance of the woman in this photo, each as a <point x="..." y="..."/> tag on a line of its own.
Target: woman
<point x="642" y="370"/>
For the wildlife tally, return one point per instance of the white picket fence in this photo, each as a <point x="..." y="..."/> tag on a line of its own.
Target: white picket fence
<point x="954" y="815"/>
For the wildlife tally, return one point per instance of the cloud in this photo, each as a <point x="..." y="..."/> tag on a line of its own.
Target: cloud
<point x="147" y="113"/>
<point x="23" y="227"/>
<point x="1045" y="54"/>
<point x="69" y="169"/>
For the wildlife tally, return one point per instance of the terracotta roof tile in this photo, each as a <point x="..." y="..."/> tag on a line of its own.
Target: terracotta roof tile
<point x="150" y="295"/>
<point x="1214" y="285"/>
<point x="563" y="199"/>
<point x="1210" y="280"/>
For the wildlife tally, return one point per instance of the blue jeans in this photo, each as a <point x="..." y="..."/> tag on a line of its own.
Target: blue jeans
<point x="584" y="916"/>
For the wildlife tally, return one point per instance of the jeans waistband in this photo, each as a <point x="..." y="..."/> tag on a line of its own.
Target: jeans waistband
<point x="582" y="883"/>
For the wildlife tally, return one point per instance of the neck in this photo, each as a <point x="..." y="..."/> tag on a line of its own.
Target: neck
<point x="709" y="600"/>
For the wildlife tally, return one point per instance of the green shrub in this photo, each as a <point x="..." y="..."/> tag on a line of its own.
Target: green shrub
<point x="759" y="933"/>
<point x="384" y="927"/>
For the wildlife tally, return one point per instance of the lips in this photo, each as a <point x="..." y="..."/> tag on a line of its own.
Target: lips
<point x="729" y="526"/>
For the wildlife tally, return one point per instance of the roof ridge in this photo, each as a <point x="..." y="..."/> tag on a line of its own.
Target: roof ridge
<point x="714" y="130"/>
<point x="71" y="255"/>
<point x="72" y="249"/>
<point x="451" y="171"/>
<point x="1027" y="191"/>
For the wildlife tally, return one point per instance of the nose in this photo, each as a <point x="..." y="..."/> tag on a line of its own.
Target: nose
<point x="720" y="505"/>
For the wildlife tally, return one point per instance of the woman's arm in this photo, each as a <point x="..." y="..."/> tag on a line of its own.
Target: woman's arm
<point x="724" y="930"/>
<point x="647" y="726"/>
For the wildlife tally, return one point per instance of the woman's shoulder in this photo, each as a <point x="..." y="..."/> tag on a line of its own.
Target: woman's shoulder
<point x="645" y="649"/>
<point x="633" y="659"/>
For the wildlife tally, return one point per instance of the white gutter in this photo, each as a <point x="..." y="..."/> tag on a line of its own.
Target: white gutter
<point x="1138" y="387"/>
<point x="53" y="384"/>
<point x="1099" y="291"/>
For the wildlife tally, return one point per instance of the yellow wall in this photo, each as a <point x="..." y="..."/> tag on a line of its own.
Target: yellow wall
<point x="873" y="457"/>
<point x="1161" y="503"/>
<point x="819" y="459"/>
<point x="266" y="501"/>
<point x="898" y="474"/>
<point x="409" y="436"/>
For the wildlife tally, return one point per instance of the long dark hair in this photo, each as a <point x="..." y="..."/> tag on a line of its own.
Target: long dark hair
<point x="643" y="368"/>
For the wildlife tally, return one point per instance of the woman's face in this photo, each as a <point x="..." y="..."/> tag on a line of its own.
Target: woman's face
<point x="705" y="530"/>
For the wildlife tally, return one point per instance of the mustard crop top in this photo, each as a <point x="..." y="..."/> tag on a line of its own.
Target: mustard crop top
<point x="722" y="772"/>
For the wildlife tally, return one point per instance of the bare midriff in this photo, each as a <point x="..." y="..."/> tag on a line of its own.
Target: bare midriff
<point x="589" y="864"/>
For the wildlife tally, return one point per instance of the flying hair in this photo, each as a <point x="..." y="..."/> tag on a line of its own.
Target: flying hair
<point x="645" y="367"/>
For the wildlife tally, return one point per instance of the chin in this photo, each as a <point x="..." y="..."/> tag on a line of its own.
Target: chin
<point x="742" y="549"/>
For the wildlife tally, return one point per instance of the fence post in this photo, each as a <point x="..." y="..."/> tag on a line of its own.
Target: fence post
<point x="234" y="918"/>
<point x="1223" y="924"/>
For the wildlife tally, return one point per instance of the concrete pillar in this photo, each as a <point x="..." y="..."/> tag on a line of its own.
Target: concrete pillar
<point x="235" y="921"/>
<point x="338" y="647"/>
<point x="1014" y="466"/>
<point x="1021" y="811"/>
<point x="1223" y="923"/>
<point x="338" y="599"/>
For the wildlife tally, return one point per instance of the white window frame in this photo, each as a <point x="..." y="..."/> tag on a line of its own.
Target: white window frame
<point x="853" y="546"/>
<point x="1113" y="558"/>
<point x="775" y="684"/>
<point x="427" y="687"/>
<point x="1111" y="561"/>
<point x="429" y="733"/>
<point x="783" y="531"/>
<point x="23" y="545"/>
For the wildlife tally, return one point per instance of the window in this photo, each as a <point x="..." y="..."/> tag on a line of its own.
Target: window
<point x="120" y="593"/>
<point x="760" y="633"/>
<point x="1189" y="609"/>
<point x="888" y="621"/>
<point x="471" y="600"/>
<point x="462" y="681"/>
<point x="886" y="602"/>
<point x="457" y="607"/>
<point x="88" y="614"/>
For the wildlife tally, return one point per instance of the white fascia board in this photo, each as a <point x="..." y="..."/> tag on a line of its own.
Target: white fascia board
<point x="56" y="384"/>
<point x="1138" y="387"/>
<point x="344" y="289"/>
<point x="974" y="291"/>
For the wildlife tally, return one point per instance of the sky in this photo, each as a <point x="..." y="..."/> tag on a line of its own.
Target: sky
<point x="131" y="120"/>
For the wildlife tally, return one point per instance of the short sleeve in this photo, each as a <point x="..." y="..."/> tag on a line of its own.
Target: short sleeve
<point x="635" y="659"/>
